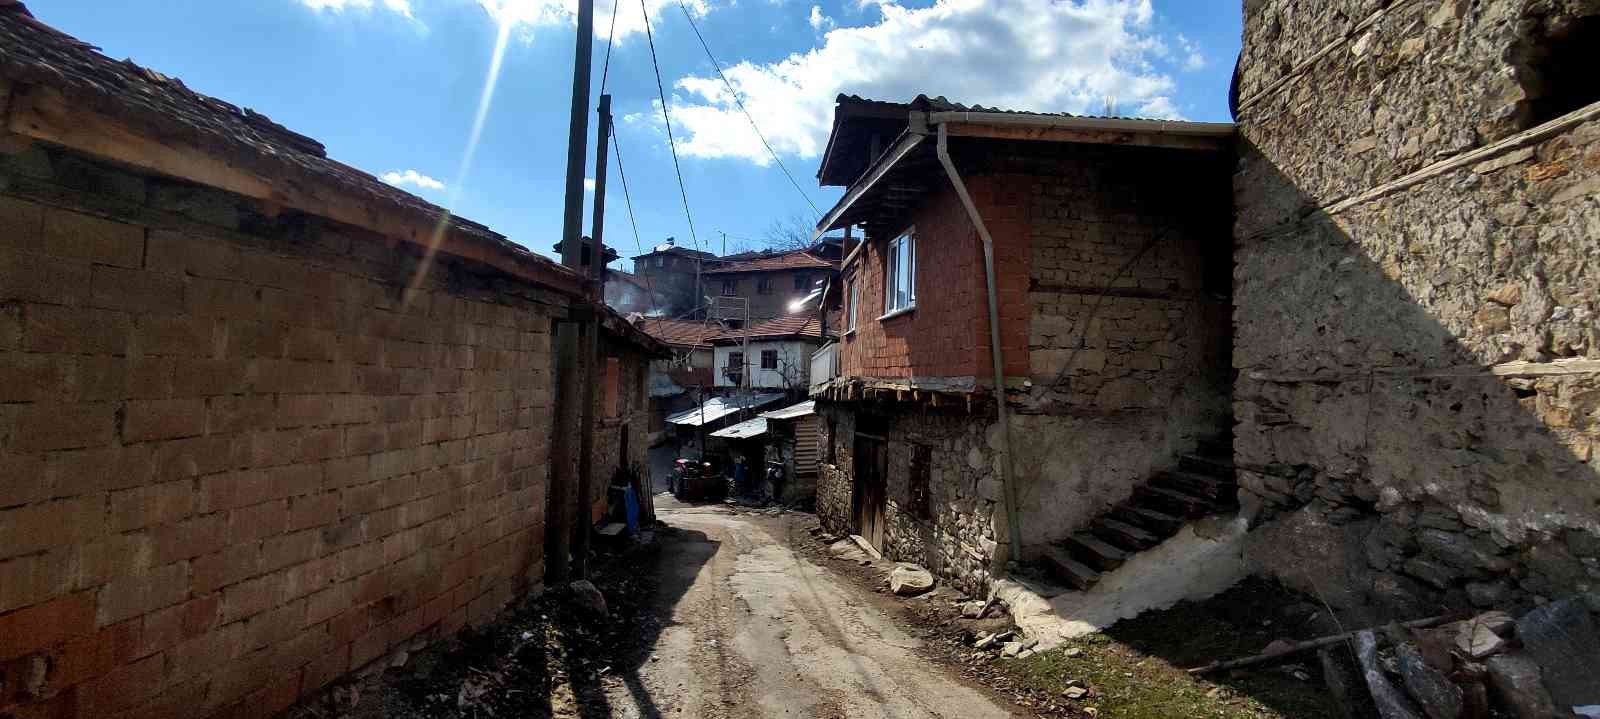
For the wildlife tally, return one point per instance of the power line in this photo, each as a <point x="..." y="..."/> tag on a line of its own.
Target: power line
<point x="638" y="245"/>
<point x="746" y="111"/>
<point x="671" y="144"/>
<point x="605" y="70"/>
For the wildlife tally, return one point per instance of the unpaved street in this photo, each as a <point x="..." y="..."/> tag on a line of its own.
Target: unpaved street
<point x="757" y="630"/>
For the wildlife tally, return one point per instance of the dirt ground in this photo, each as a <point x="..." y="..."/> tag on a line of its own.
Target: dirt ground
<point x="733" y="613"/>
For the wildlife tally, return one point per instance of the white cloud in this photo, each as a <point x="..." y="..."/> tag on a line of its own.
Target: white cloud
<point x="401" y="178"/>
<point x="588" y="184"/>
<point x="820" y="22"/>
<point x="1048" y="56"/>
<point x="1193" y="59"/>
<point x="403" y="7"/>
<point x="528" y="14"/>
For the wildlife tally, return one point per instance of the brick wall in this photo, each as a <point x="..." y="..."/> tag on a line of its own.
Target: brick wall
<point x="941" y="338"/>
<point x="237" y="461"/>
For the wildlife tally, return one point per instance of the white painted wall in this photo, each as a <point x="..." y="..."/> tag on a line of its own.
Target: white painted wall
<point x="794" y="364"/>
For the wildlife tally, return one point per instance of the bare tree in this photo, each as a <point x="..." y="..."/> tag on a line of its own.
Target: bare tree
<point x="790" y="233"/>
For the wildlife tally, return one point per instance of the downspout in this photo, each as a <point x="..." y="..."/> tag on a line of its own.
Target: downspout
<point x="1007" y="479"/>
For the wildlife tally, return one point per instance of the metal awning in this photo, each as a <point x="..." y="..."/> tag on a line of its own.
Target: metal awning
<point x="793" y="411"/>
<point x="718" y="407"/>
<point x="743" y="430"/>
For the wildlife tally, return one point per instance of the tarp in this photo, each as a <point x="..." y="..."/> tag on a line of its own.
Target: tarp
<point x="718" y="407"/>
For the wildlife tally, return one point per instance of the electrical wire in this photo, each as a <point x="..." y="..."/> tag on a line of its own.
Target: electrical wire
<point x="735" y="94"/>
<point x="667" y="118"/>
<point x="605" y="69"/>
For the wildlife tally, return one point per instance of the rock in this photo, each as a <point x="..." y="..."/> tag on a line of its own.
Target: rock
<point x="1011" y="649"/>
<point x="1498" y="622"/>
<point x="1390" y="702"/>
<point x="973" y="609"/>
<point x="1435" y="646"/>
<point x="1518" y="690"/>
<point x="1075" y="693"/>
<point x="1430" y="688"/>
<point x="1477" y="640"/>
<point x="993" y="639"/>
<point x="909" y="579"/>
<point x="588" y="598"/>
<point x="1024" y="654"/>
<point x="345" y="697"/>
<point x="1488" y="594"/>
<point x="1561" y="637"/>
<point x="1074" y="651"/>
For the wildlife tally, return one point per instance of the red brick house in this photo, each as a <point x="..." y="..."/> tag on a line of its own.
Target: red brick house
<point x="1108" y="274"/>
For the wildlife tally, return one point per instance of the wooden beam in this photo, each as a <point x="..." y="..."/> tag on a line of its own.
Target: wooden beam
<point x="1091" y="137"/>
<point x="44" y="113"/>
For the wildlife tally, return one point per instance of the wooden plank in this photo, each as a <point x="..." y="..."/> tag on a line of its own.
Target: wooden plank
<point x="1087" y="137"/>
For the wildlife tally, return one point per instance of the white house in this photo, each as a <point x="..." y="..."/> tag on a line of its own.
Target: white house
<point x="775" y="353"/>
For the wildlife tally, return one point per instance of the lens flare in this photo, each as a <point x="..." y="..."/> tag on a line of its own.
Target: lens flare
<point x="485" y="100"/>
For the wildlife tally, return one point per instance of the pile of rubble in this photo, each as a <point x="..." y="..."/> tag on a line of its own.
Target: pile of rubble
<point x="1543" y="664"/>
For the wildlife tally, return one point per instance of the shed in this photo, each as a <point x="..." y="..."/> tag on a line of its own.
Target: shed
<point x="795" y="441"/>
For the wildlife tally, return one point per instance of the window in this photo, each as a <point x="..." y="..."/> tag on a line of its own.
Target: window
<point x="899" y="276"/>
<point x="769" y="359"/>
<point x="802" y="282"/>
<point x="764" y="286"/>
<point x="661" y="260"/>
<point x="735" y="362"/>
<point x="853" y="297"/>
<point x="730" y="288"/>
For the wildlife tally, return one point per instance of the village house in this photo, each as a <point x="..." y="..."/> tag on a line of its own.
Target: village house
<point x="679" y="381"/>
<point x="673" y="275"/>
<point x="264" y="419"/>
<point x="1109" y="277"/>
<point x="770" y="354"/>
<point x="771" y="283"/>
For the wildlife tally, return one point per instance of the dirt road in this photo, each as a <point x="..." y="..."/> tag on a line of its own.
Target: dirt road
<point x="753" y="629"/>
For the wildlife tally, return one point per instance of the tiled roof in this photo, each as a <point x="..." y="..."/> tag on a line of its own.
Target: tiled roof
<point x="943" y="104"/>
<point x="795" y="260"/>
<point x="33" y="53"/>
<point x="797" y="325"/>
<point x="677" y="250"/>
<point x="682" y="333"/>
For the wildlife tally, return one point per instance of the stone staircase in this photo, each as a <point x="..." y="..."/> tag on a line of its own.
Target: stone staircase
<point x="1202" y="484"/>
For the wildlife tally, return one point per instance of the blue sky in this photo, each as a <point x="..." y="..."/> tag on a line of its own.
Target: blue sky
<point x="391" y="86"/>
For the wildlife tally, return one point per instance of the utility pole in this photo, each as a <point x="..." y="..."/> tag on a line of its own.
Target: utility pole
<point x="567" y="415"/>
<point x="597" y="262"/>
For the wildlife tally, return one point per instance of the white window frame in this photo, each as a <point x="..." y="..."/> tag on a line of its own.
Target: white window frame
<point x="900" y="273"/>
<point x="853" y="287"/>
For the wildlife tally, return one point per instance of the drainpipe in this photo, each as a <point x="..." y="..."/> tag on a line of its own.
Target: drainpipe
<point x="1007" y="480"/>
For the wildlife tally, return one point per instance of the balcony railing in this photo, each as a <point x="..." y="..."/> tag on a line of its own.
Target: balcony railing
<point x="824" y="364"/>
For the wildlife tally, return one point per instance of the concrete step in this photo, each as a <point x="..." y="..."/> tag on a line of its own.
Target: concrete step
<point x="1201" y="464"/>
<point x="1089" y="550"/>
<point x="1197" y="484"/>
<point x="1172" y="502"/>
<point x="1067" y="569"/>
<point x="1158" y="523"/>
<point x="1123" y="535"/>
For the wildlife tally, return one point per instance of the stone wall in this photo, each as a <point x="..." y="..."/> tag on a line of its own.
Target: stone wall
<point x="238" y="460"/>
<point x="956" y="540"/>
<point x="1128" y="325"/>
<point x="1387" y="286"/>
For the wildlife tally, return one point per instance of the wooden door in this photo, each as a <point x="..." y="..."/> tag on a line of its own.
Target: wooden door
<point x="871" y="470"/>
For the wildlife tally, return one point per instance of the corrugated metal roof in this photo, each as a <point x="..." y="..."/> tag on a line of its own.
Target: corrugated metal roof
<point x="793" y="411"/>
<point x="718" y="407"/>
<point x="743" y="430"/>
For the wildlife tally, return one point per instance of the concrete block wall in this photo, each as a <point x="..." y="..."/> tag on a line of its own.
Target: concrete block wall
<point x="238" y="460"/>
<point x="1383" y="427"/>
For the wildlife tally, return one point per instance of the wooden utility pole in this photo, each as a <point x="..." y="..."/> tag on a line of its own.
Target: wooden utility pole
<point x="560" y="515"/>
<point x="597" y="263"/>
